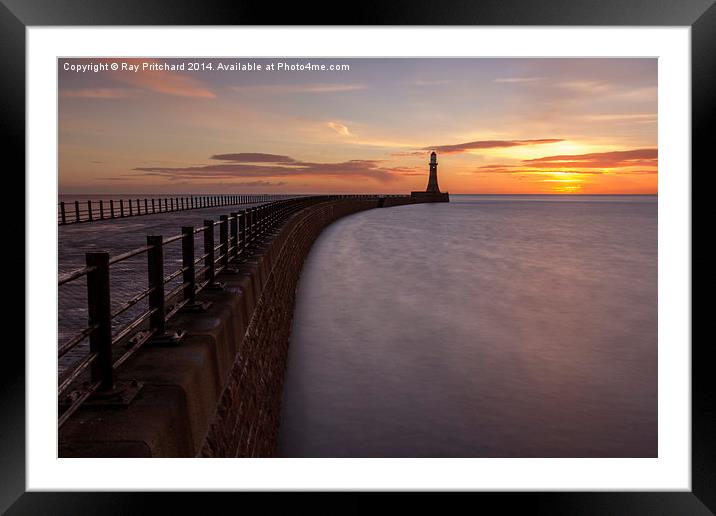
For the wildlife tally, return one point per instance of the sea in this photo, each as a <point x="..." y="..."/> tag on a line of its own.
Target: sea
<point x="490" y="326"/>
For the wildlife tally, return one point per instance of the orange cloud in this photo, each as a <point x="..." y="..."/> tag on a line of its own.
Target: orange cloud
<point x="518" y="79"/>
<point x="612" y="159"/>
<point x="487" y="144"/>
<point x="166" y="82"/>
<point x="243" y="165"/>
<point x="100" y="93"/>
<point x="254" y="157"/>
<point x="298" y="88"/>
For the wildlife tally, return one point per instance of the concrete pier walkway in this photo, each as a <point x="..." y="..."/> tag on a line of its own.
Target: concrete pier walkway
<point x="117" y="236"/>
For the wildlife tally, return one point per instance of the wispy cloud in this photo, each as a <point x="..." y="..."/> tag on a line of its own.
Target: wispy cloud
<point x="253" y="157"/>
<point x="647" y="94"/>
<point x="298" y="88"/>
<point x="100" y="93"/>
<point x="624" y="117"/>
<point x="435" y="82"/>
<point x="339" y="128"/>
<point x="518" y="79"/>
<point x="166" y="82"/>
<point x="403" y="154"/>
<point x="488" y="144"/>
<point x="259" y="183"/>
<point x="591" y="87"/>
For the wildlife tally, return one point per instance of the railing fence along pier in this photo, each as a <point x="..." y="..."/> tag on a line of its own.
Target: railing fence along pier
<point x="115" y="333"/>
<point x="93" y="210"/>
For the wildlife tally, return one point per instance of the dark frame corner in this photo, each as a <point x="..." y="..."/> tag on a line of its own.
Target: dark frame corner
<point x="700" y="15"/>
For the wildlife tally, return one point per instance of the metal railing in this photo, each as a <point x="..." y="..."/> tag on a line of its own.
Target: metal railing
<point x="116" y="333"/>
<point x="93" y="210"/>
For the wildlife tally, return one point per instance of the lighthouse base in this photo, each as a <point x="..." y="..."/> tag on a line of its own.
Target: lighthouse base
<point x="430" y="196"/>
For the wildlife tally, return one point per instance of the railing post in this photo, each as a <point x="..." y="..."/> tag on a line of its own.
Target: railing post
<point x="121" y="207"/>
<point x="101" y="210"/>
<point x="77" y="211"/>
<point x="100" y="315"/>
<point x="139" y="210"/>
<point x="187" y="259"/>
<point x="242" y="232"/>
<point x="260" y="221"/>
<point x="146" y="206"/>
<point x="129" y="202"/>
<point x="111" y="208"/>
<point x="235" y="235"/>
<point x="209" y="275"/>
<point x="62" y="213"/>
<point x="153" y="209"/>
<point x="89" y="210"/>
<point x="155" y="261"/>
<point x="224" y="240"/>
<point x="249" y="228"/>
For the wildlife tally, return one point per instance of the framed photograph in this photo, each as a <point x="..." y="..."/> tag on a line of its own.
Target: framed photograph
<point x="415" y="250"/>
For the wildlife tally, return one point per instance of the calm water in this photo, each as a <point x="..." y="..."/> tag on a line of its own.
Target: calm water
<point x="492" y="326"/>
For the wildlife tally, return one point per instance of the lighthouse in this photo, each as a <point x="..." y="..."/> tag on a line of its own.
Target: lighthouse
<point x="433" y="178"/>
<point x="432" y="193"/>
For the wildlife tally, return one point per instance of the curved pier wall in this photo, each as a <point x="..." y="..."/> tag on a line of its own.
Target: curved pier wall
<point x="247" y="418"/>
<point x="218" y="392"/>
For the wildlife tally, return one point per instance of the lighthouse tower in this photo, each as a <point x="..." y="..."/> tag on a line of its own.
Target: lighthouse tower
<point x="432" y="193"/>
<point x="433" y="179"/>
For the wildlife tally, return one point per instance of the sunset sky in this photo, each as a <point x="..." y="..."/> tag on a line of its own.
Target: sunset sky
<point x="498" y="125"/>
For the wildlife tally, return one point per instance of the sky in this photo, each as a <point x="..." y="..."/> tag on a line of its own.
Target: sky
<point x="499" y="126"/>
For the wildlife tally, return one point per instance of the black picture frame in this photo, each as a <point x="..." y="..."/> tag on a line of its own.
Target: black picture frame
<point x="700" y="15"/>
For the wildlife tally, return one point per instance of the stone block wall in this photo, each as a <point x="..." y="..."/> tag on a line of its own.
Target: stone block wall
<point x="247" y="418"/>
